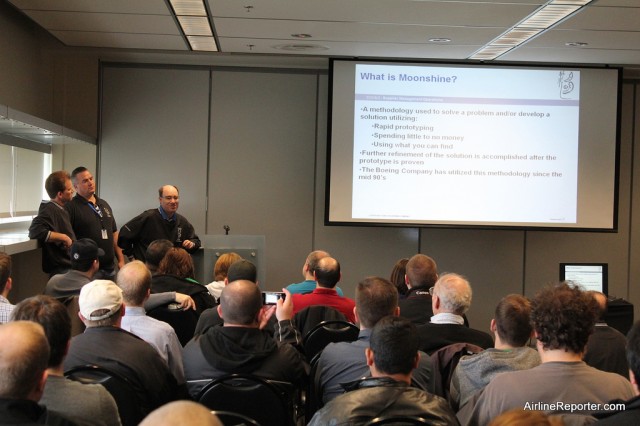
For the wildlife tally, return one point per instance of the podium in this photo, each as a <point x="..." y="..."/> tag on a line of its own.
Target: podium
<point x="250" y="247"/>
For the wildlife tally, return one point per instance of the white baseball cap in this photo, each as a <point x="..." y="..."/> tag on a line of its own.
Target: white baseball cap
<point x="99" y="295"/>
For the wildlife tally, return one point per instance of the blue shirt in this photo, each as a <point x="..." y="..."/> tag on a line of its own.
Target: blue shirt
<point x="306" y="287"/>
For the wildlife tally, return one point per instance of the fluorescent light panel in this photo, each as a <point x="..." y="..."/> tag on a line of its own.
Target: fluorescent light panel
<point x="541" y="20"/>
<point x="195" y="24"/>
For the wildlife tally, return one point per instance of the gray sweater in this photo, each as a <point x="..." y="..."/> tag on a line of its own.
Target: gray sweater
<point x="474" y="372"/>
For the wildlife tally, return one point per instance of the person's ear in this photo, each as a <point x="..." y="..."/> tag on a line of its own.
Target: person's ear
<point x="9" y="285"/>
<point x="355" y="314"/>
<point x="368" y="353"/>
<point x="493" y="326"/>
<point x="219" y="309"/>
<point x="396" y="311"/>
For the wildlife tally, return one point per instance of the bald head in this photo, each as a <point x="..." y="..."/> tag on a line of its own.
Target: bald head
<point x="603" y="303"/>
<point x="453" y="292"/>
<point x="134" y="279"/>
<point x="240" y="303"/>
<point x="24" y="355"/>
<point x="327" y="273"/>
<point x="180" y="413"/>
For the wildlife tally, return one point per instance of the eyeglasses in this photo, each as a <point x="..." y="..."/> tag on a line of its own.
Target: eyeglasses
<point x="431" y="290"/>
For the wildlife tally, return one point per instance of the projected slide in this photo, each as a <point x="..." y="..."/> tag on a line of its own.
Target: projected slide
<point x="463" y="144"/>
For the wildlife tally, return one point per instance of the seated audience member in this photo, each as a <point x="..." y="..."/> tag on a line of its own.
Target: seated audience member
<point x="451" y="298"/>
<point x="421" y="274"/>
<point x="240" y="270"/>
<point x="629" y="413"/>
<point x="563" y="317"/>
<point x="398" y="277"/>
<point x="180" y="413"/>
<point x="134" y="279"/>
<point x="344" y="362"/>
<point x="6" y="284"/>
<point x="511" y="328"/>
<point x="85" y="262"/>
<point x="326" y="274"/>
<point x="309" y="283"/>
<point x="105" y="344"/>
<point x="155" y="253"/>
<point x="84" y="404"/>
<point x="242" y="345"/>
<point x="220" y="270"/>
<point x="606" y="346"/>
<point x="391" y="357"/>
<point x="176" y="273"/>
<point x="24" y="354"/>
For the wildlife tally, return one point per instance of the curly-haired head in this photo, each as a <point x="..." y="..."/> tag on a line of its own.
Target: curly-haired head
<point x="563" y="317"/>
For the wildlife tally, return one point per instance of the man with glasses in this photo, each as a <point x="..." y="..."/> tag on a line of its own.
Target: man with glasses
<point x="160" y="223"/>
<point x="92" y="217"/>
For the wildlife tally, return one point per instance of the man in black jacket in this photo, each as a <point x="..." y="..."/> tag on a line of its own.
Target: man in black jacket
<point x="421" y="274"/>
<point x="391" y="356"/>
<point x="160" y="223"/>
<point x="242" y="345"/>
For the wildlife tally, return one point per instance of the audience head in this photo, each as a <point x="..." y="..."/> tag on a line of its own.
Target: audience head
<point x="242" y="270"/>
<point x="101" y="304"/>
<point x="180" y="413"/>
<point x="222" y="265"/>
<point x="452" y="294"/>
<point x="177" y="262"/>
<point x="84" y="254"/>
<point x="519" y="416"/>
<point x="59" y="182"/>
<point x="393" y="346"/>
<point x="603" y="303"/>
<point x="83" y="182"/>
<point x="422" y="272"/>
<point x="240" y="303"/>
<point x="327" y="272"/>
<point x="633" y="355"/>
<point x="512" y="320"/>
<point x="134" y="279"/>
<point x="563" y="317"/>
<point x="24" y="355"/>
<point x="311" y="262"/>
<point x="5" y="272"/>
<point x="54" y="319"/>
<point x="155" y="253"/>
<point x="375" y="298"/>
<point x="398" y="276"/>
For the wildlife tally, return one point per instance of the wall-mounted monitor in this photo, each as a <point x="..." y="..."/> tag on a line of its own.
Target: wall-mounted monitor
<point x="453" y="145"/>
<point x="589" y="276"/>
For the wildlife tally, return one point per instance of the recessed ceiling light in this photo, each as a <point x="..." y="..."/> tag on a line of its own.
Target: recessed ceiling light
<point x="300" y="47"/>
<point x="576" y="44"/>
<point x="301" y="35"/>
<point x="440" y="40"/>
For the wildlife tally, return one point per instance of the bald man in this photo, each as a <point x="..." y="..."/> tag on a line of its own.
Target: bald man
<point x="242" y="344"/>
<point x="24" y="356"/>
<point x="180" y="413"/>
<point x="160" y="223"/>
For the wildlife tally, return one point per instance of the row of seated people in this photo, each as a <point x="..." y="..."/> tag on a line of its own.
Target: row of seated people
<point x="451" y="297"/>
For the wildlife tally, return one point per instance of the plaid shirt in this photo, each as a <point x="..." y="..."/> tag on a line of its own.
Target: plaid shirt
<point x="5" y="310"/>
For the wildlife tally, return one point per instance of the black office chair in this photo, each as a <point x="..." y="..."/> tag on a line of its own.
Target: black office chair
<point x="183" y="321"/>
<point x="268" y="402"/>
<point x="131" y="407"/>
<point x="328" y="332"/>
<point x="227" y="418"/>
<point x="313" y="396"/>
<point x="397" y="420"/>
<point x="311" y="316"/>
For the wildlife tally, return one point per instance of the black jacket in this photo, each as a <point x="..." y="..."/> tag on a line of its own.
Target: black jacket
<point x="383" y="397"/>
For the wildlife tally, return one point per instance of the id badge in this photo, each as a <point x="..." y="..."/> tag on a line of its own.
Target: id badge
<point x="104" y="234"/>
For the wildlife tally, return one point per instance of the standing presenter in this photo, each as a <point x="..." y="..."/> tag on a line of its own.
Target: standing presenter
<point x="161" y="223"/>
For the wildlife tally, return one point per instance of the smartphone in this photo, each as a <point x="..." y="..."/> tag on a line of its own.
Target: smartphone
<point x="272" y="297"/>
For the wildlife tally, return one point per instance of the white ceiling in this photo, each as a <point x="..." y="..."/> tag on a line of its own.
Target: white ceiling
<point x="361" y="28"/>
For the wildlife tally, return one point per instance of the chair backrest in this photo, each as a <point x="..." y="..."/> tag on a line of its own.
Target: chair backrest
<point x="227" y="418"/>
<point x="183" y="321"/>
<point x="398" y="420"/>
<point x="268" y="402"/>
<point x="445" y="360"/>
<point x="131" y="407"/>
<point x="313" y="399"/>
<point x="309" y="317"/>
<point x="328" y="332"/>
